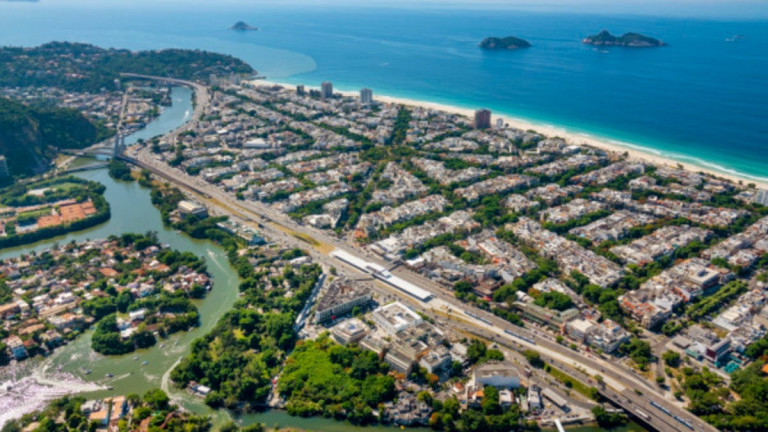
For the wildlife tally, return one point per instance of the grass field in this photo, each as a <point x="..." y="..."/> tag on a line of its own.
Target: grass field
<point x="34" y="214"/>
<point x="565" y="379"/>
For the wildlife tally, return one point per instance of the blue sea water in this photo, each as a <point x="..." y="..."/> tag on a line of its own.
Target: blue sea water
<point x="700" y="100"/>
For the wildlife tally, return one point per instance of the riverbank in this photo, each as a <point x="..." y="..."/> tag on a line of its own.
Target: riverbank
<point x="37" y="381"/>
<point x="635" y="152"/>
<point x="276" y="419"/>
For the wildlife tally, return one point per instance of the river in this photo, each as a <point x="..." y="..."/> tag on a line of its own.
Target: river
<point x="37" y="380"/>
<point x="132" y="211"/>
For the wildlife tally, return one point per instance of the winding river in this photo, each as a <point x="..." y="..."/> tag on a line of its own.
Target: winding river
<point x="75" y="367"/>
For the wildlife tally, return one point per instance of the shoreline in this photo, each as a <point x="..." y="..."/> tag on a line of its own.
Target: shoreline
<point x="634" y="154"/>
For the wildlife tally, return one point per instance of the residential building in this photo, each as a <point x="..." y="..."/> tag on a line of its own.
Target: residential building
<point x="349" y="331"/>
<point x="192" y="209"/>
<point x="534" y="399"/>
<point x="16" y="346"/>
<point x="341" y="297"/>
<point x="552" y="318"/>
<point x="366" y="96"/>
<point x="395" y="317"/>
<point x="326" y="89"/>
<point x="608" y="336"/>
<point x="399" y="361"/>
<point x="496" y="374"/>
<point x="579" y="329"/>
<point x="436" y="360"/>
<point x="482" y="119"/>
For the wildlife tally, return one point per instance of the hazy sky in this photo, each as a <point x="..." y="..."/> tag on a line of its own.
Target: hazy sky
<point x="711" y="8"/>
<point x="752" y="9"/>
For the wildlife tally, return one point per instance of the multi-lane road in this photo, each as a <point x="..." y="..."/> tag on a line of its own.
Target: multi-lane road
<point x="623" y="387"/>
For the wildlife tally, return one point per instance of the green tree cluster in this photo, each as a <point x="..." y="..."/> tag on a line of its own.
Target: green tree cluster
<point x="30" y="135"/>
<point x="321" y="377"/>
<point x="87" y="68"/>
<point x="639" y="351"/>
<point x="119" y="170"/>
<point x="242" y="353"/>
<point x="554" y="300"/>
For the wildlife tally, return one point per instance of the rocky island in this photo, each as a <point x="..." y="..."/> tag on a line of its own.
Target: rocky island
<point x="241" y="26"/>
<point x="633" y="40"/>
<point x="507" y="43"/>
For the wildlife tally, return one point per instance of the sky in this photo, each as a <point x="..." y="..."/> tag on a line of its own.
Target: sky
<point x="756" y="9"/>
<point x="712" y="9"/>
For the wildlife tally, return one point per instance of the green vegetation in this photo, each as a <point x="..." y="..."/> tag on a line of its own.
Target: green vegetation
<point x="87" y="68"/>
<point x="554" y="300"/>
<point x="506" y="43"/>
<point x="107" y="340"/>
<point x="634" y="40"/>
<point x="166" y="198"/>
<point x="710" y="304"/>
<point x="544" y="268"/>
<point x="55" y="189"/>
<point x="477" y="352"/>
<point x="758" y="349"/>
<point x="606" y="299"/>
<point x="119" y="170"/>
<point x="490" y="417"/>
<point x="245" y="349"/>
<point x="29" y="136"/>
<point x="639" y="351"/>
<point x="608" y="420"/>
<point x="671" y="358"/>
<point x="59" y="188"/>
<point x="321" y="377"/>
<point x="400" y="130"/>
<point x="66" y="414"/>
<point x="534" y="358"/>
<point x="6" y="294"/>
<point x="166" y="313"/>
<point x="238" y="358"/>
<point x="571" y="382"/>
<point x="716" y="404"/>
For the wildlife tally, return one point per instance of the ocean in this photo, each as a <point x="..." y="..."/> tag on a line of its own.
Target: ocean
<point x="700" y="100"/>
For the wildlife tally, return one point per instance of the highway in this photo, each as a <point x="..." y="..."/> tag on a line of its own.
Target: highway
<point x="623" y="387"/>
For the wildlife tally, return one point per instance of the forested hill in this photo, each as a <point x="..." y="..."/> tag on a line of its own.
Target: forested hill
<point x="87" y="68"/>
<point x="29" y="136"/>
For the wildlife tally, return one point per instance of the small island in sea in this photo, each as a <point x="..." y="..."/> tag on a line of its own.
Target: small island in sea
<point x="633" y="40"/>
<point x="507" y="43"/>
<point x="242" y="26"/>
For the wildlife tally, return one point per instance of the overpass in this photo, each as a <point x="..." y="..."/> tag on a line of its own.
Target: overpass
<point x="87" y="167"/>
<point x="638" y="405"/>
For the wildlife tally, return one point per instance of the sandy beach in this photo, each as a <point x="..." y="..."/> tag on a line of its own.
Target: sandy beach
<point x="552" y="131"/>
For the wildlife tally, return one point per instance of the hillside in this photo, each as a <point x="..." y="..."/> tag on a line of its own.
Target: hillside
<point x="87" y="68"/>
<point x="507" y="43"/>
<point x="29" y="136"/>
<point x="632" y="40"/>
<point x="242" y="26"/>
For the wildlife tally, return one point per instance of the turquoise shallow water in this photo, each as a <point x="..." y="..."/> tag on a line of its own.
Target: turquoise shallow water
<point x="699" y="100"/>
